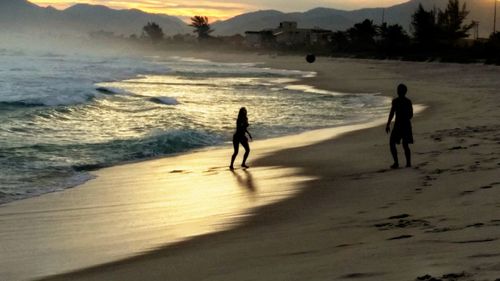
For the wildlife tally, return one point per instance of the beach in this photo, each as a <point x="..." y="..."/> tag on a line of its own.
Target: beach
<point x="345" y="214"/>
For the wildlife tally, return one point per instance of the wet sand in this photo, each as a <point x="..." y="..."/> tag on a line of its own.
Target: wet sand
<point x="131" y="209"/>
<point x="353" y="218"/>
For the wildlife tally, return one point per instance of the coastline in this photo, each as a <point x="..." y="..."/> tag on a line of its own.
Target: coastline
<point x="326" y="224"/>
<point x="70" y="229"/>
<point x="83" y="201"/>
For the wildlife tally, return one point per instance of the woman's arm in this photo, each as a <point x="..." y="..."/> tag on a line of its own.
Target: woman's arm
<point x="246" y="130"/>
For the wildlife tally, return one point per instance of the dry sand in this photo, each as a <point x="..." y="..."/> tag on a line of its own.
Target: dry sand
<point x="358" y="220"/>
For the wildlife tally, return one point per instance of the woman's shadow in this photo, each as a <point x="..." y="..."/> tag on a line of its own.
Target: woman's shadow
<point x="246" y="181"/>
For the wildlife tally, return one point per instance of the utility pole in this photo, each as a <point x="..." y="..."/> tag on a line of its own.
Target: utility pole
<point x="383" y="16"/>
<point x="495" y="18"/>
<point x="476" y="29"/>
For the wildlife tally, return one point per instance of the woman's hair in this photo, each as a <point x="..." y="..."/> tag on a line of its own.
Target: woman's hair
<point x="242" y="115"/>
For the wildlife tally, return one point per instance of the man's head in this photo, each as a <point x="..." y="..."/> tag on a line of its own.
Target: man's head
<point x="402" y="89"/>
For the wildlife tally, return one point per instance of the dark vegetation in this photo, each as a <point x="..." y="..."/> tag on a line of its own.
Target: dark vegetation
<point x="153" y="31"/>
<point x="436" y="35"/>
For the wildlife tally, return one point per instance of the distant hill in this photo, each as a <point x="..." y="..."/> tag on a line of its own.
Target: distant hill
<point x="334" y="19"/>
<point x="319" y="17"/>
<point x="21" y="15"/>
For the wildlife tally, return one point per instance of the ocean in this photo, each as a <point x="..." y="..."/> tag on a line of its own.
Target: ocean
<point x="64" y="115"/>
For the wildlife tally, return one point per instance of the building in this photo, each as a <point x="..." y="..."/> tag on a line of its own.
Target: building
<point x="288" y="34"/>
<point x="233" y="40"/>
<point x="258" y="39"/>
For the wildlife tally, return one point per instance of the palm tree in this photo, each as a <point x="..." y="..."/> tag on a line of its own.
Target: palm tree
<point x="153" y="31"/>
<point x="393" y="38"/>
<point x="340" y="41"/>
<point x="451" y="22"/>
<point x="425" y="28"/>
<point x="362" y="35"/>
<point x="201" y="26"/>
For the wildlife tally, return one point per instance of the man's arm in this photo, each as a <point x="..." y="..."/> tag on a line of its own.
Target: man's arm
<point x="391" y="115"/>
<point x="411" y="110"/>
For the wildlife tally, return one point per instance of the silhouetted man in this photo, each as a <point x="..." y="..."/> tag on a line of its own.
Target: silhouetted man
<point x="402" y="107"/>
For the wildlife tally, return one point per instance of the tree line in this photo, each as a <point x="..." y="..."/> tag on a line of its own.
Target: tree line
<point x="435" y="34"/>
<point x="200" y="24"/>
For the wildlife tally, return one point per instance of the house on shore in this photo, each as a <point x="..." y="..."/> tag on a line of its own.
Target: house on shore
<point x="258" y="39"/>
<point x="288" y="34"/>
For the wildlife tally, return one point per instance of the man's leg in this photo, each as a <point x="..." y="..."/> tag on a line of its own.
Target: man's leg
<point x="406" y="147"/>
<point x="394" y="152"/>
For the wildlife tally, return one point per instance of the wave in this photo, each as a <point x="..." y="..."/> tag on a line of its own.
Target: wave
<point x="111" y="91"/>
<point x="49" y="101"/>
<point x="72" y="180"/>
<point x="31" y="173"/>
<point x="63" y="100"/>
<point x="312" y="90"/>
<point x="20" y="103"/>
<point x="222" y="74"/>
<point x="165" y="100"/>
<point x="118" y="91"/>
<point x="91" y="156"/>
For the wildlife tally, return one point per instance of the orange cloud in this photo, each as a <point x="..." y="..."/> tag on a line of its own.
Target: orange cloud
<point x="182" y="8"/>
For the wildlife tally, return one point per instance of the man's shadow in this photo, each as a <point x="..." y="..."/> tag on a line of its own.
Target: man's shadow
<point x="246" y="181"/>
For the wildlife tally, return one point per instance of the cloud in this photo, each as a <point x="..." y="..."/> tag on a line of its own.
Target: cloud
<point x="221" y="9"/>
<point x="215" y="10"/>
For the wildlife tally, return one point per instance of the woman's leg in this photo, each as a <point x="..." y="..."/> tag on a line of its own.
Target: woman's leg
<point x="236" y="145"/>
<point x="245" y="145"/>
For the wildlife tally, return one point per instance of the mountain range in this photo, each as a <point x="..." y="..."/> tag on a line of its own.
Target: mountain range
<point x="480" y="10"/>
<point x="24" y="16"/>
<point x="21" y="15"/>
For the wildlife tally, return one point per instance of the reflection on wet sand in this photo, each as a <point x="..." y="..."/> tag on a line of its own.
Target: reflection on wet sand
<point x="246" y="181"/>
<point x="134" y="208"/>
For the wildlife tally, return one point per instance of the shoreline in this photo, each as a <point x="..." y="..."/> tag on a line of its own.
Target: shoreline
<point x="272" y="184"/>
<point x="53" y="202"/>
<point x="77" y="180"/>
<point x="326" y="225"/>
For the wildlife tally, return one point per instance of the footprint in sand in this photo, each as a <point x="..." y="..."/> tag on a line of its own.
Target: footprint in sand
<point x="489" y="186"/>
<point x="402" y="216"/>
<point x="402" y="221"/>
<point x="215" y="170"/>
<point x="478" y="256"/>
<point x="479" y="224"/>
<point x="361" y="275"/>
<point x="467" y="192"/>
<point x="348" y="245"/>
<point x="475" y="241"/>
<point x="177" y="171"/>
<point x="495" y="222"/>
<point x="400" y="237"/>
<point x="444" y="277"/>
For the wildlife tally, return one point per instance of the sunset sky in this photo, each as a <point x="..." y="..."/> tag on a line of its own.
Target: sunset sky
<point x="221" y="9"/>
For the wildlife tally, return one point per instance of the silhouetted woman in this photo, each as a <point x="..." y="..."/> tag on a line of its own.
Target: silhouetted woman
<point x="240" y="137"/>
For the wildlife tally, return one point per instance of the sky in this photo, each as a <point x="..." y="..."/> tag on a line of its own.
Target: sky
<point x="221" y="9"/>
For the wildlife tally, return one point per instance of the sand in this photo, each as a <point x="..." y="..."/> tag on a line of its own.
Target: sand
<point x="349" y="217"/>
